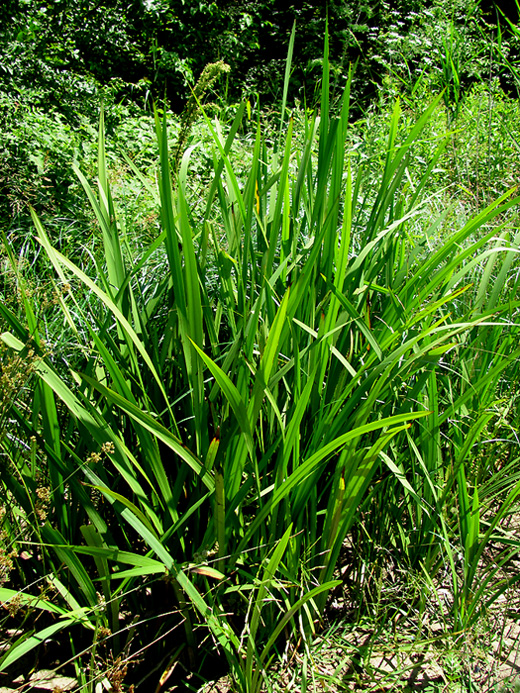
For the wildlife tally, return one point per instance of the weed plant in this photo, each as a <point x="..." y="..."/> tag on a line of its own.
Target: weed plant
<point x="302" y="360"/>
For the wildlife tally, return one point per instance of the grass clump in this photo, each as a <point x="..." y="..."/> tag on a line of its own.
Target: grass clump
<point x="298" y="374"/>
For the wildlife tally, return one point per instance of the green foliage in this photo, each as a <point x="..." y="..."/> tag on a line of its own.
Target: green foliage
<point x="274" y="348"/>
<point x="254" y="426"/>
<point x="439" y="47"/>
<point x="51" y="90"/>
<point x="35" y="158"/>
<point x="143" y="48"/>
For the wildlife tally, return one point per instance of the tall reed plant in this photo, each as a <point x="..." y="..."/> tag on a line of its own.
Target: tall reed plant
<point x="214" y="447"/>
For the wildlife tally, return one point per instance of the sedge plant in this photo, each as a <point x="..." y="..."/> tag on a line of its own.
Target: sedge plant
<point x="215" y="448"/>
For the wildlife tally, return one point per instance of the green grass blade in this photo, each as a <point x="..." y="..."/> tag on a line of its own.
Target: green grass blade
<point x="25" y="644"/>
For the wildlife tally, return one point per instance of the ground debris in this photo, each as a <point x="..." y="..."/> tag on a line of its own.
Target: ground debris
<point x="48" y="680"/>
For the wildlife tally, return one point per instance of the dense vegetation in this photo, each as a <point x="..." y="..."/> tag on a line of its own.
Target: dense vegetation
<point x="258" y="366"/>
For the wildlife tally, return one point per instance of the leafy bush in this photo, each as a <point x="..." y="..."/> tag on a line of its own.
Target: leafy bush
<point x="142" y="49"/>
